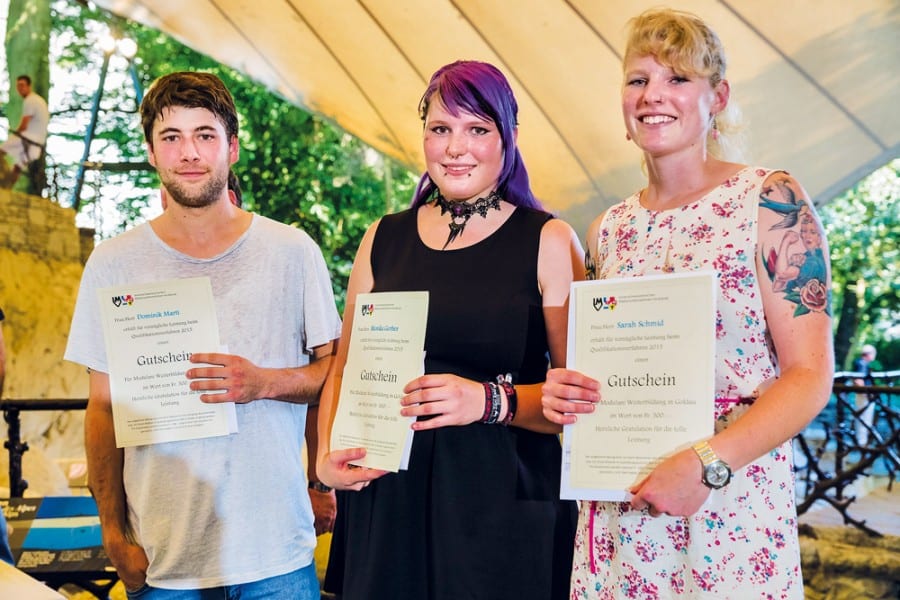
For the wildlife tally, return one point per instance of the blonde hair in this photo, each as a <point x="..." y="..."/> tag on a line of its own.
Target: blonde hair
<point x="682" y="41"/>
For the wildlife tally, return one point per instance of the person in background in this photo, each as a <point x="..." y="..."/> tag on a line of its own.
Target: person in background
<point x="26" y="142"/>
<point x="716" y="520"/>
<point x="477" y="514"/>
<point x="863" y="365"/>
<point x="224" y="516"/>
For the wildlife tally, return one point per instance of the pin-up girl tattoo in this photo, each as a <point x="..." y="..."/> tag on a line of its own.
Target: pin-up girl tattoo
<point x="797" y="267"/>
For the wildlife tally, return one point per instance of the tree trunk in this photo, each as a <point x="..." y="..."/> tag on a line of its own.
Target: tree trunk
<point x="848" y="322"/>
<point x="28" y="53"/>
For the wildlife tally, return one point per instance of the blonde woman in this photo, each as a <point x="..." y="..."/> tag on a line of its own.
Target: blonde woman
<point x="717" y="520"/>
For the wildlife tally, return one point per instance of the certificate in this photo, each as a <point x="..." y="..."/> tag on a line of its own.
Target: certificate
<point x="650" y="342"/>
<point x="19" y="585"/>
<point x="150" y="331"/>
<point x="386" y="352"/>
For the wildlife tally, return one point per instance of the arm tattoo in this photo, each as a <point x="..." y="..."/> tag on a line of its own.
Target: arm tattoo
<point x="797" y="267"/>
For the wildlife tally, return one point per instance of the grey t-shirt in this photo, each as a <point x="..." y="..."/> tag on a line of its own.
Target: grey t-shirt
<point x="233" y="509"/>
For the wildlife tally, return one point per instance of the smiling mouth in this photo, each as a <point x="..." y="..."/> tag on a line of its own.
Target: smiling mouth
<point x="656" y="119"/>
<point x="458" y="169"/>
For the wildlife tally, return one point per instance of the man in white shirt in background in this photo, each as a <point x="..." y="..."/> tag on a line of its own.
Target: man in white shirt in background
<point x="26" y="142"/>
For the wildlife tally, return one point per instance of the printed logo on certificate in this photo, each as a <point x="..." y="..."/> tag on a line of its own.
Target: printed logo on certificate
<point x="150" y="331"/>
<point x="650" y="342"/>
<point x="386" y="352"/>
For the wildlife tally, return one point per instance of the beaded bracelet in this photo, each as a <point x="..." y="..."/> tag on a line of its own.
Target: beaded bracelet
<point x="511" y="397"/>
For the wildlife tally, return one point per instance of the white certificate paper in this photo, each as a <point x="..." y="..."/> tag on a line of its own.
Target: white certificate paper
<point x="151" y="330"/>
<point x="650" y="342"/>
<point x="386" y="352"/>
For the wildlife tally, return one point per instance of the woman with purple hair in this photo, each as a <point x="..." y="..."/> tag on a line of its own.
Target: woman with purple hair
<point x="477" y="513"/>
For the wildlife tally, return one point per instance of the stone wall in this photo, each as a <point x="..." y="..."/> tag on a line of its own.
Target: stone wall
<point x="41" y="258"/>
<point x="844" y="563"/>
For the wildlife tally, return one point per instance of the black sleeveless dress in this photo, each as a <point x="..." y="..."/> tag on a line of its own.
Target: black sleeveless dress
<point x="477" y="515"/>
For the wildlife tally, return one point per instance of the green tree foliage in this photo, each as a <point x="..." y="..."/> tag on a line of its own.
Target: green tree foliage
<point x="294" y="167"/>
<point x="77" y="57"/>
<point x="299" y="169"/>
<point x="863" y="230"/>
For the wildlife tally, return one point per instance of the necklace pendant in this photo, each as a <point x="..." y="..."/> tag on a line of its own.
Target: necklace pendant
<point x="456" y="230"/>
<point x="461" y="212"/>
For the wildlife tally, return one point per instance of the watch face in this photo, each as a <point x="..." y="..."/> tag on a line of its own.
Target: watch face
<point x="717" y="474"/>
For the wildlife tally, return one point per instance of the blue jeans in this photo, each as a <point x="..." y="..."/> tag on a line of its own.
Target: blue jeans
<point x="302" y="584"/>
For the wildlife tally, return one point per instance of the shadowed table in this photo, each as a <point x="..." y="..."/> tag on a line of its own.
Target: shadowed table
<point x="57" y="540"/>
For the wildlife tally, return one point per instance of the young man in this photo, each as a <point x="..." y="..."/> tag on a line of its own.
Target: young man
<point x="26" y="141"/>
<point x="226" y="515"/>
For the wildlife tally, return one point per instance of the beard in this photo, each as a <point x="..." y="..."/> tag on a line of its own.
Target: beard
<point x="207" y="195"/>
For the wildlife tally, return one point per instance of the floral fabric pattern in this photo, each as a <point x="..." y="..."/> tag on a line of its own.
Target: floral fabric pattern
<point x="743" y="542"/>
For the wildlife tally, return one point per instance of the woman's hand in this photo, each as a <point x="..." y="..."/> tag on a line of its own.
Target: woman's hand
<point x="336" y="470"/>
<point x="450" y="399"/>
<point x="674" y="487"/>
<point x="568" y="393"/>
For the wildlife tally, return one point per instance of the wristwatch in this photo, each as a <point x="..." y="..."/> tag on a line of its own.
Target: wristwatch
<point x="319" y="487"/>
<point x="716" y="472"/>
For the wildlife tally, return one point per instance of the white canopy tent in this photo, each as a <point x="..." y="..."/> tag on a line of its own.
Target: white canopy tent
<point x="814" y="78"/>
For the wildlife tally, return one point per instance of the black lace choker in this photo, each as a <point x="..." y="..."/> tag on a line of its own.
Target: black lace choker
<point x="461" y="212"/>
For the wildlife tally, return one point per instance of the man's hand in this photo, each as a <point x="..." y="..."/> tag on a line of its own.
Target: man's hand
<point x="324" y="505"/>
<point x="231" y="378"/>
<point x="130" y="562"/>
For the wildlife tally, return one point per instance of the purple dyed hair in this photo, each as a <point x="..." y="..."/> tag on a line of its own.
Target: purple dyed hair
<point x="480" y="89"/>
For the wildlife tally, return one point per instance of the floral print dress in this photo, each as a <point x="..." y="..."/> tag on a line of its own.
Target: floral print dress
<point x="743" y="541"/>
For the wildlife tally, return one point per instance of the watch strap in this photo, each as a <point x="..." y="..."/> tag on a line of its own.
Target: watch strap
<point x="705" y="452"/>
<point x="319" y="487"/>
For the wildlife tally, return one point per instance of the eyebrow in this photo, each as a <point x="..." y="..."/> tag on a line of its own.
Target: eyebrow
<point x="202" y="128"/>
<point x="468" y="119"/>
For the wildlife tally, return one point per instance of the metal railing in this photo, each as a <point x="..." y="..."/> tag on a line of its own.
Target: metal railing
<point x="14" y="444"/>
<point x="856" y="436"/>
